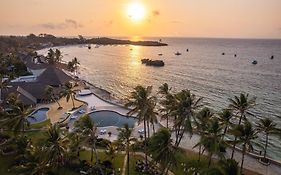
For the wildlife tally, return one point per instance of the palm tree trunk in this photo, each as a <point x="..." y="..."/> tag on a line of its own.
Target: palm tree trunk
<point x="266" y="143"/>
<point x="148" y="129"/>
<point x="144" y="128"/>
<point x="153" y="128"/>
<point x="210" y="159"/>
<point x="72" y="101"/>
<point x="242" y="162"/>
<point x="57" y="102"/>
<point x="167" y="122"/>
<point x="128" y="167"/>
<point x="199" y="153"/>
<point x="97" y="159"/>
<point x="92" y="154"/>
<point x="233" y="147"/>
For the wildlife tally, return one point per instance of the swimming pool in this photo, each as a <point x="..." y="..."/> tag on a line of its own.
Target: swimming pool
<point x="38" y="116"/>
<point x="111" y="118"/>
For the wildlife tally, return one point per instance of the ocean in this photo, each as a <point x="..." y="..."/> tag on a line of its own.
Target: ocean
<point x="203" y="70"/>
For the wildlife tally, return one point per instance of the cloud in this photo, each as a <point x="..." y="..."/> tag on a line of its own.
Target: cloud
<point x="73" y="23"/>
<point x="155" y="13"/>
<point x="68" y="23"/>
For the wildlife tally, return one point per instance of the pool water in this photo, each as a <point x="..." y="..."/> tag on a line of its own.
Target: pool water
<point x="111" y="118"/>
<point x="38" y="115"/>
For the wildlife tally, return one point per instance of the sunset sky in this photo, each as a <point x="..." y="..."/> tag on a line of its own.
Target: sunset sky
<point x="181" y="18"/>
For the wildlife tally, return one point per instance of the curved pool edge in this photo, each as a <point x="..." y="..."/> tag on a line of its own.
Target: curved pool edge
<point x="36" y="110"/>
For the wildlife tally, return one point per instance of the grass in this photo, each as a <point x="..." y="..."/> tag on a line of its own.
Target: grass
<point x="40" y="125"/>
<point x="190" y="159"/>
<point x="117" y="161"/>
<point x="133" y="160"/>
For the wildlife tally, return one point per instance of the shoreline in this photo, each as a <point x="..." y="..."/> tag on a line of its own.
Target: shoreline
<point x="106" y="96"/>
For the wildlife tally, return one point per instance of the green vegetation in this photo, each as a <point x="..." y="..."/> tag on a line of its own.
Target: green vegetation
<point x="41" y="124"/>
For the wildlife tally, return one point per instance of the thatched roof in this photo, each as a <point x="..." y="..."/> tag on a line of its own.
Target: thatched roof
<point x="53" y="76"/>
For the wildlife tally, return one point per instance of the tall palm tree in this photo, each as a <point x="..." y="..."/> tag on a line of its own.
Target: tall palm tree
<point x="17" y="119"/>
<point x="245" y="135"/>
<point x="225" y="118"/>
<point x="68" y="92"/>
<point x="211" y="139"/>
<point x="56" y="147"/>
<point x="86" y="127"/>
<point x="241" y="105"/>
<point x="58" y="55"/>
<point x="162" y="148"/>
<point x="75" y="143"/>
<point x="201" y="123"/>
<point x="141" y="102"/>
<point x="51" y="56"/>
<point x="125" y="136"/>
<point x="49" y="93"/>
<point x="3" y="85"/>
<point x="267" y="126"/>
<point x="111" y="150"/>
<point x="75" y="63"/>
<point x="166" y="102"/>
<point x="184" y="108"/>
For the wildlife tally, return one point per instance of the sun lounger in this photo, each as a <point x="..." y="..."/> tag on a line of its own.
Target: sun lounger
<point x="141" y="131"/>
<point x="103" y="131"/>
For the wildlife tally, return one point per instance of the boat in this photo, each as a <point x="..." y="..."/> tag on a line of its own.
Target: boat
<point x="187" y="50"/>
<point x="235" y="55"/>
<point x="255" y="62"/>
<point x="177" y="53"/>
<point x="223" y="53"/>
<point x="156" y="63"/>
<point x="160" y="54"/>
<point x="272" y="57"/>
<point x="89" y="46"/>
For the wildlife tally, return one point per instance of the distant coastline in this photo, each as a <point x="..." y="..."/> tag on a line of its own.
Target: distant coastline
<point x="34" y="42"/>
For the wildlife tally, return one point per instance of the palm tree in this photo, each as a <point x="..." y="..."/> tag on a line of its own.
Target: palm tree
<point x="201" y="122"/>
<point x="267" y="126"/>
<point x="162" y="149"/>
<point x="141" y="102"/>
<point x="245" y="135"/>
<point x="184" y="109"/>
<point x="58" y="55"/>
<point x="125" y="136"/>
<point x="17" y="119"/>
<point x="241" y="105"/>
<point x="75" y="142"/>
<point x="56" y="147"/>
<point x="166" y="102"/>
<point x="211" y="139"/>
<point x="86" y="127"/>
<point x="229" y="167"/>
<point x="51" y="57"/>
<point x="111" y="150"/>
<point x="68" y="92"/>
<point x="3" y="85"/>
<point x="75" y="63"/>
<point x="225" y="118"/>
<point x="49" y="93"/>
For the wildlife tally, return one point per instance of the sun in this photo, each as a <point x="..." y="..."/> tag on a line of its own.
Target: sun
<point x="136" y="11"/>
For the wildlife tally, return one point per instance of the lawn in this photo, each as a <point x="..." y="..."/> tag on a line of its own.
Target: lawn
<point x="40" y="125"/>
<point x="117" y="161"/>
